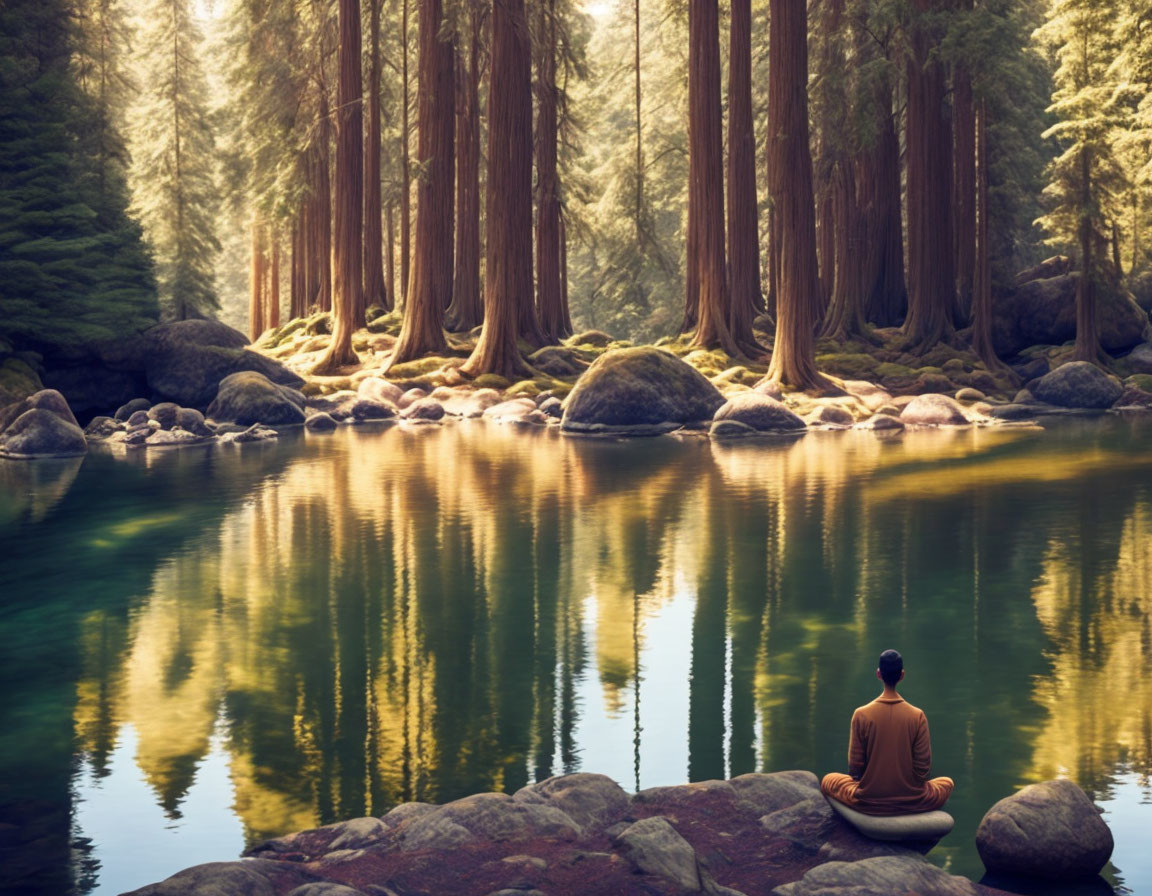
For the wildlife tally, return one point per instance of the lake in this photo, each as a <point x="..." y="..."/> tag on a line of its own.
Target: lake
<point x="207" y="648"/>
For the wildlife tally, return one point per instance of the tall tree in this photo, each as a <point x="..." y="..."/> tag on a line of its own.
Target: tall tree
<point x="747" y="299"/>
<point x="886" y="291"/>
<point x="375" y="292"/>
<point x="467" y="309"/>
<point x="430" y="284"/>
<point x="1084" y="178"/>
<point x="790" y="188"/>
<point x="174" y="185"/>
<point x="932" y="287"/>
<point x="549" y="294"/>
<point x="963" y="182"/>
<point x="508" y="251"/>
<point x="982" y="274"/>
<point x="349" y="189"/>
<point x="405" y="152"/>
<point x="707" y="296"/>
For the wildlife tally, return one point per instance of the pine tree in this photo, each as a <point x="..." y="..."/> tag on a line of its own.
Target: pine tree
<point x="174" y="189"/>
<point x="73" y="267"/>
<point x="1084" y="179"/>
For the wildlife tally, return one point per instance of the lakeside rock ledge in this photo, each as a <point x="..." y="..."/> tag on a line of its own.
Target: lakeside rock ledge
<point x="583" y="834"/>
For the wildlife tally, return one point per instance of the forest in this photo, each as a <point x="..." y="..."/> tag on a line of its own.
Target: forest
<point x="767" y="179"/>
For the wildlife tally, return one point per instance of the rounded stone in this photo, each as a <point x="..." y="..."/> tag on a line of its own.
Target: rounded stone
<point x="1079" y="384"/>
<point x="934" y="410"/>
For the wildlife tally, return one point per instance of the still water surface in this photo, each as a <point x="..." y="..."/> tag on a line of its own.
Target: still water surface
<point x="207" y="648"/>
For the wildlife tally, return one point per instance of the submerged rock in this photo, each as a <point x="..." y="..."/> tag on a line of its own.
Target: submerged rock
<point x="1079" y="384"/>
<point x="428" y="410"/>
<point x="760" y="413"/>
<point x="250" y="397"/>
<point x="1049" y="830"/>
<point x="366" y="409"/>
<point x="321" y="422"/>
<point x="881" y="423"/>
<point x="639" y="391"/>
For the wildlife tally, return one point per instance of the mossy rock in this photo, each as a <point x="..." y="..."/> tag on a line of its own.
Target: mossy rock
<point x="664" y="340"/>
<point x="886" y="371"/>
<point x="285" y="333"/>
<point x="312" y="389"/>
<point x="525" y="389"/>
<point x="954" y="365"/>
<point x="939" y="355"/>
<point x="411" y="370"/>
<point x="1141" y="381"/>
<point x="591" y="338"/>
<point x="491" y="381"/>
<point x="374" y="311"/>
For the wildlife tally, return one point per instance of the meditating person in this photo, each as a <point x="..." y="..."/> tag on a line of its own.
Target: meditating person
<point x="889" y="754"/>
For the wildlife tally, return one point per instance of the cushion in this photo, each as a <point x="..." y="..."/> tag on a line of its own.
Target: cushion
<point x="917" y="826"/>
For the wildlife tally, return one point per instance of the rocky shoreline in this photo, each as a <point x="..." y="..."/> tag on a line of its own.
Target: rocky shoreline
<point x="583" y="834"/>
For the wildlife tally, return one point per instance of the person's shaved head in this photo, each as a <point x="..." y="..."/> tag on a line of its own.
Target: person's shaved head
<point x="891" y="666"/>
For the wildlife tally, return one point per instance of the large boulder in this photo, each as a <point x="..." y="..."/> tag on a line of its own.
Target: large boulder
<point x="756" y="413"/>
<point x="934" y="410"/>
<point x="1078" y="384"/>
<point x="41" y="433"/>
<point x="880" y="876"/>
<point x="1049" y="830"/>
<point x="1043" y="312"/>
<point x="46" y="399"/>
<point x="250" y="397"/>
<point x="639" y="391"/>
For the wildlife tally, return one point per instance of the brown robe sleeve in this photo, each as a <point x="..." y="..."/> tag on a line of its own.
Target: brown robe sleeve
<point x="857" y="747"/>
<point x="922" y="750"/>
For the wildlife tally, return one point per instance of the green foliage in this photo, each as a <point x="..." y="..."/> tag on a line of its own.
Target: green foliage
<point x="73" y="267"/>
<point x="175" y="190"/>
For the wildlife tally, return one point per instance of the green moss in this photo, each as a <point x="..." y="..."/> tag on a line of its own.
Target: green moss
<point x="848" y="365"/>
<point x="889" y="370"/>
<point x="490" y="381"/>
<point x="319" y="324"/>
<point x="954" y="365"/>
<point x="1140" y="381"/>
<point x="411" y="370"/>
<point x="525" y="389"/>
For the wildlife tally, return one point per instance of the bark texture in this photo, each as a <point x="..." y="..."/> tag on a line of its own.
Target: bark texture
<point x="430" y="282"/>
<point x="886" y="299"/>
<point x="508" y="253"/>
<point x="707" y="299"/>
<point x="467" y="309"/>
<point x="790" y="186"/>
<point x="375" y="291"/>
<point x="964" y="187"/>
<point x="348" y="239"/>
<point x="256" y="285"/>
<point x="549" y="296"/>
<point x="982" y="273"/>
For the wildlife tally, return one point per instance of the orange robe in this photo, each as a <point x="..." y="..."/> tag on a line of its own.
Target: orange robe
<point x="889" y="756"/>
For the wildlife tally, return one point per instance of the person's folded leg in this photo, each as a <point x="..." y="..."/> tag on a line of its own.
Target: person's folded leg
<point x="841" y="787"/>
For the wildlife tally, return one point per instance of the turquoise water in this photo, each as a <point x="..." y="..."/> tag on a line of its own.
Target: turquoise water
<point x="207" y="648"/>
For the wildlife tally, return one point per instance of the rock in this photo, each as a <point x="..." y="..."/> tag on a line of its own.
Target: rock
<point x="138" y="419"/>
<point x="406" y="812"/>
<point x="1043" y="312"/>
<point x="881" y="423"/>
<point x="552" y="407"/>
<point x="1134" y="397"/>
<point x="919" y="826"/>
<point x="517" y="410"/>
<point x="40" y="432"/>
<point x="1139" y="360"/>
<point x="557" y="361"/>
<point x="1078" y="384"/>
<point x="174" y="438"/>
<point x="1056" y="266"/>
<point x="125" y="411"/>
<point x="730" y="429"/>
<point x="760" y="413"/>
<point x="411" y="397"/>
<point x="1031" y="369"/>
<point x="46" y="400"/>
<point x="358" y="833"/>
<point x="325" y="888"/>
<point x="831" y="416"/>
<point x="102" y="427"/>
<point x="250" y="397"/>
<point x="489" y="816"/>
<point x="1011" y="412"/>
<point x="639" y="391"/>
<point x="1024" y="396"/>
<point x="254" y="433"/>
<point x="655" y="847"/>
<point x="378" y="389"/>
<point x="321" y="422"/>
<point x="771" y="388"/>
<point x="365" y="410"/>
<point x="595" y="338"/>
<point x="933" y="410"/>
<point x="193" y="421"/>
<point x="165" y="413"/>
<point x="804" y="823"/>
<point x="136" y="437"/>
<point x="472" y="404"/>
<point x="589" y="800"/>
<point x="932" y="384"/>
<point x="1049" y="830"/>
<point x="426" y="409"/>
<point x="764" y="794"/>
<point x="970" y="394"/>
<point x="880" y="876"/>
<point x="215" y="879"/>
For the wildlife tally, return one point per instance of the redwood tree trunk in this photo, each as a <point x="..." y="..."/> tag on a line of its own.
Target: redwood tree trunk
<point x="845" y="316"/>
<point x="390" y="255"/>
<point x="272" y="311"/>
<point x="322" y="212"/>
<point x="549" y="301"/>
<point x="348" y="281"/>
<point x="256" y="283"/>
<point x="982" y="275"/>
<point x="747" y="299"/>
<point x="708" y="275"/>
<point x="375" y="291"/>
<point x="508" y="252"/>
<point x="296" y="278"/>
<point x="964" y="188"/>
<point x="467" y="310"/>
<point x="932" y="296"/>
<point x="430" y="283"/>
<point x="405" y="164"/>
<point x="1087" y="333"/>
<point x="887" y="293"/>
<point x="790" y="186"/>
